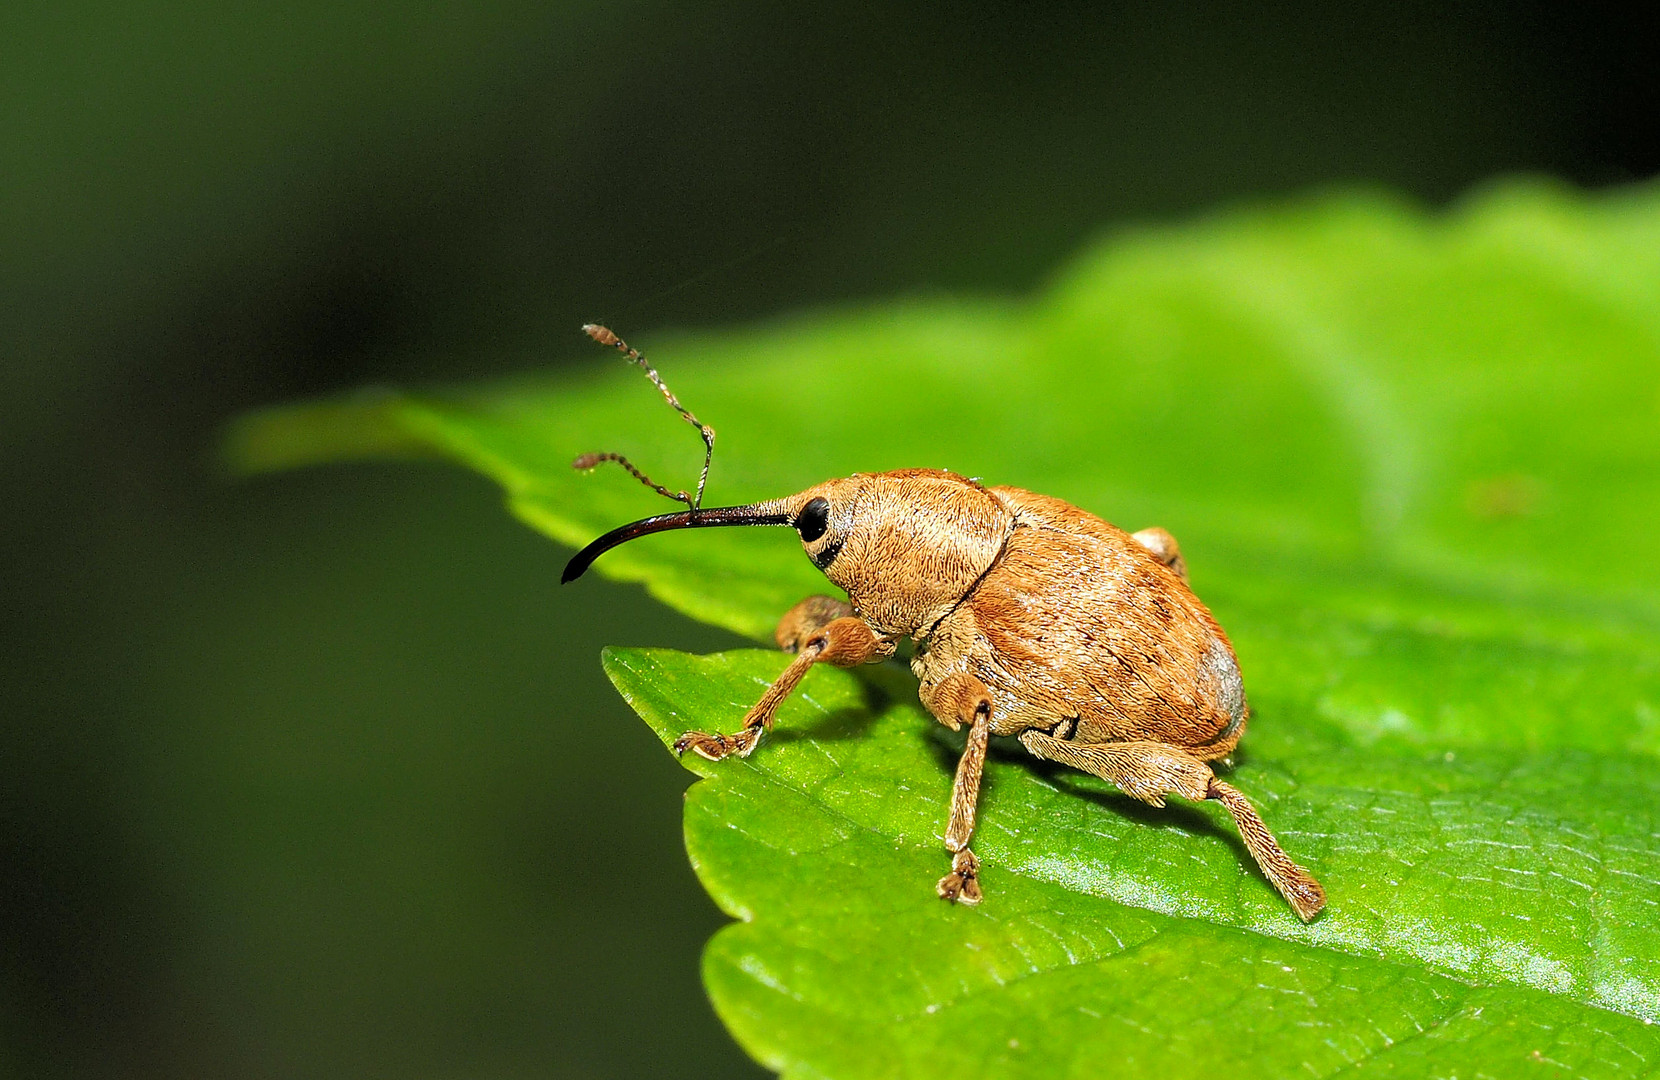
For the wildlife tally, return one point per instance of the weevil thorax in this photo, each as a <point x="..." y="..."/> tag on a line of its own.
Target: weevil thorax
<point x="906" y="546"/>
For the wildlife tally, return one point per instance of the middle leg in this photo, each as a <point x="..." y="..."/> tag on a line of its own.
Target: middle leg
<point x="957" y="700"/>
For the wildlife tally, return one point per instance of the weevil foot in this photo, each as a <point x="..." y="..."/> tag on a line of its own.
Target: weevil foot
<point x="715" y="747"/>
<point x="962" y="884"/>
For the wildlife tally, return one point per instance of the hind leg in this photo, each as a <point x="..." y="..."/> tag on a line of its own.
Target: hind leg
<point x="1149" y="771"/>
<point x="1164" y="549"/>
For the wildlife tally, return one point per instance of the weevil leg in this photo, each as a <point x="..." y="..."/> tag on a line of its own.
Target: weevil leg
<point x="806" y="619"/>
<point x="845" y="642"/>
<point x="1297" y="885"/>
<point x="1142" y="770"/>
<point x="1164" y="549"/>
<point x="956" y="700"/>
<point x="1149" y="771"/>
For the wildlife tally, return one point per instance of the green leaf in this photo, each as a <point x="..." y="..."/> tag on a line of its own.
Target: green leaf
<point x="1483" y="908"/>
<point x="1414" y="463"/>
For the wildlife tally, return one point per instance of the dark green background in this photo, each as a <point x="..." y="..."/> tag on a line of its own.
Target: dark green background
<point x="317" y="775"/>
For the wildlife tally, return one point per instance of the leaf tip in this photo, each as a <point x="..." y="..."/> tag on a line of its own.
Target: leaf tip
<point x="366" y="424"/>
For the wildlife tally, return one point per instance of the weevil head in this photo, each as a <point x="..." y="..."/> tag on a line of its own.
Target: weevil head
<point x="905" y="546"/>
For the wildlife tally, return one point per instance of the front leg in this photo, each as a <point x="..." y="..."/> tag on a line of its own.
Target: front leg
<point x="956" y="700"/>
<point x="808" y="618"/>
<point x="845" y="642"/>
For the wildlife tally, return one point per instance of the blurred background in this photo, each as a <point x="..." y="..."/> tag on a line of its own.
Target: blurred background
<point x="317" y="775"/>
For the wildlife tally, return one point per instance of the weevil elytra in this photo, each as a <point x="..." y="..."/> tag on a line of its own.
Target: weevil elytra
<point x="1030" y="618"/>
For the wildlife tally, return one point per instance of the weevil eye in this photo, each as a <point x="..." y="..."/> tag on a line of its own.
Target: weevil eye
<point x="813" y="519"/>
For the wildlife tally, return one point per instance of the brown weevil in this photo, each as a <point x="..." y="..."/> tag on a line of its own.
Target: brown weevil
<point x="1030" y="618"/>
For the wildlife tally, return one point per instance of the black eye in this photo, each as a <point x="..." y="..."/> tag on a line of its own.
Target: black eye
<point x="813" y="520"/>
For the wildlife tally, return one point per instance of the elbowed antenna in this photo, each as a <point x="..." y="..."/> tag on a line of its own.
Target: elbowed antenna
<point x="762" y="513"/>
<point x="605" y="336"/>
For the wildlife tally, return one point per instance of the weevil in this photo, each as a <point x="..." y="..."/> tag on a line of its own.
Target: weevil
<point x="1029" y="618"/>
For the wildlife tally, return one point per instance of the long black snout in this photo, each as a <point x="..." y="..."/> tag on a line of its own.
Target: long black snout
<point x="767" y="513"/>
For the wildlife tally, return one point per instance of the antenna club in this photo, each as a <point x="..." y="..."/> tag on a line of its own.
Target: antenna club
<point x="587" y="461"/>
<point x="601" y="334"/>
